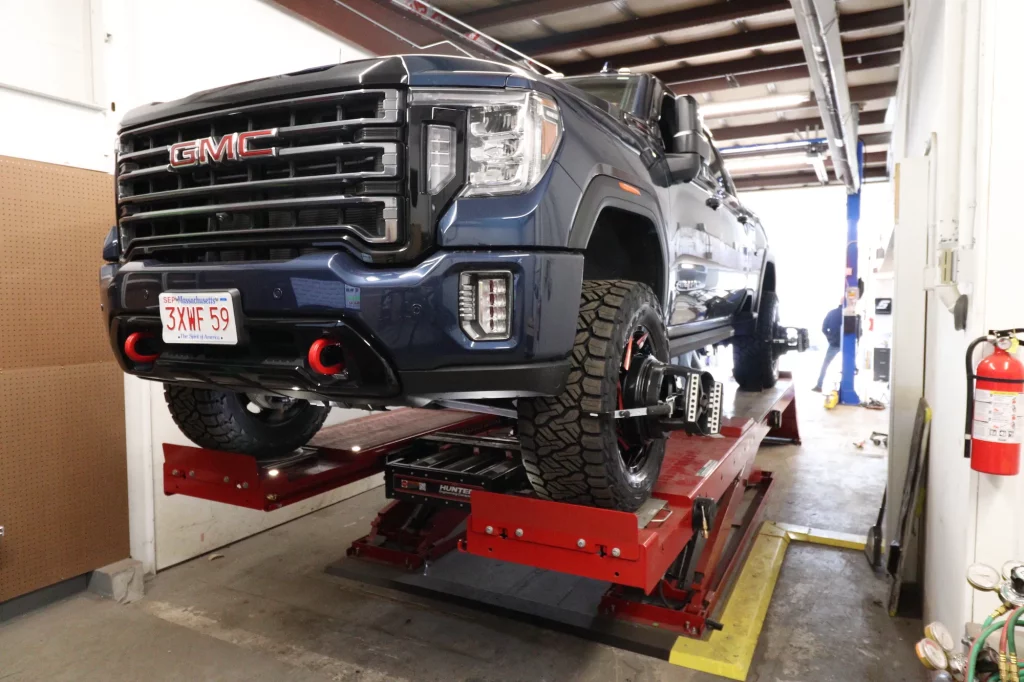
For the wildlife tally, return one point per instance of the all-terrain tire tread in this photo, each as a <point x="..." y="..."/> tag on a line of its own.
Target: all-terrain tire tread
<point x="208" y="420"/>
<point x="753" y="357"/>
<point x="564" y="447"/>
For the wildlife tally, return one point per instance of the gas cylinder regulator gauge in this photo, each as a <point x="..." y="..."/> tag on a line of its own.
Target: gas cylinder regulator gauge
<point x="931" y="654"/>
<point x="983" y="577"/>
<point x="939" y="633"/>
<point x="1009" y="566"/>
<point x="957" y="666"/>
<point x="1012" y="590"/>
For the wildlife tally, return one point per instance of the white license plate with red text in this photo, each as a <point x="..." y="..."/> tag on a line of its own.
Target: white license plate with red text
<point x="199" y="317"/>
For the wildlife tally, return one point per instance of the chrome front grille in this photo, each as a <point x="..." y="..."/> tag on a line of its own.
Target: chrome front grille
<point x="330" y="173"/>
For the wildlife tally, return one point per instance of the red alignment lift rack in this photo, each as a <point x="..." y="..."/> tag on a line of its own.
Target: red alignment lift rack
<point x="670" y="563"/>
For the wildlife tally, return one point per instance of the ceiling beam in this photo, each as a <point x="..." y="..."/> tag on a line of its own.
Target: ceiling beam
<point x="875" y="138"/>
<point x="643" y="26"/>
<point x="751" y="40"/>
<point x="789" y="73"/>
<point x="870" y="159"/>
<point x="866" y="93"/>
<point x="798" y="125"/>
<point x="747" y="151"/>
<point x="507" y="12"/>
<point x="749" y="182"/>
<point x="858" y="94"/>
<point x="872" y="19"/>
<point x="774" y="60"/>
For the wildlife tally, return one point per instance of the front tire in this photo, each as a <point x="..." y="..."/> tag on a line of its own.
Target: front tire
<point x="569" y="452"/>
<point x="261" y="426"/>
<point x="755" y="358"/>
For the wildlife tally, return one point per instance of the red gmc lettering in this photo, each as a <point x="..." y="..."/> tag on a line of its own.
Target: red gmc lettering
<point x="183" y="154"/>
<point x="244" y="152"/>
<point x="208" y="151"/>
<point x="228" y="148"/>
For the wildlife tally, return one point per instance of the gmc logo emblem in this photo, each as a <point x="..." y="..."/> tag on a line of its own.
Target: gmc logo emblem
<point x="233" y="147"/>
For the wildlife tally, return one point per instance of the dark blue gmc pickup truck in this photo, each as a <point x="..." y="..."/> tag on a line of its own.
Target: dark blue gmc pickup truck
<point x="443" y="231"/>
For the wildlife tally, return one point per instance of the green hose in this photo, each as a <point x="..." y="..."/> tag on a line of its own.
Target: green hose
<point x="978" y="646"/>
<point x="1011" y="643"/>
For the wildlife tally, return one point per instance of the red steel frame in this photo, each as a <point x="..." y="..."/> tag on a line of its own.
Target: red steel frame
<point x="336" y="459"/>
<point x="595" y="543"/>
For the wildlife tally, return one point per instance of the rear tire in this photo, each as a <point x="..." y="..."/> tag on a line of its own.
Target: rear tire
<point x="227" y="421"/>
<point x="571" y="455"/>
<point x="755" y="359"/>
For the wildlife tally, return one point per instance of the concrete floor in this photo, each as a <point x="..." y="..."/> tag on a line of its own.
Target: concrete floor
<point x="267" y="611"/>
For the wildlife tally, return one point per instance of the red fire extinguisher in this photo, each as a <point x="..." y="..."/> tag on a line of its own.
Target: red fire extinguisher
<point x="995" y="407"/>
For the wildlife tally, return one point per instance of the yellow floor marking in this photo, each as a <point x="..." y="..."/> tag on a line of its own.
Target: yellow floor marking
<point x="729" y="652"/>
<point x="824" y="537"/>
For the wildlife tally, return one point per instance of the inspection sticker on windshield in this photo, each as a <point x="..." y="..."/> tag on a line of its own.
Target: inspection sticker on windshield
<point x="199" y="317"/>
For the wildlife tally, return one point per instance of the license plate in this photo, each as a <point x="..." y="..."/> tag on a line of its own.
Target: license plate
<point x="208" y="317"/>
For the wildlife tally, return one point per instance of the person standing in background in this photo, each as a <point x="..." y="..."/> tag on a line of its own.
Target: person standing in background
<point x="832" y="328"/>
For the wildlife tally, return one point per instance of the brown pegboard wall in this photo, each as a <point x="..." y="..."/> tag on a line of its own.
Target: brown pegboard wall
<point x="63" y="480"/>
<point x="64" y="491"/>
<point x="52" y="221"/>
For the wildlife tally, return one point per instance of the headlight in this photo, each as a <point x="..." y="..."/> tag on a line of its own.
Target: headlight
<point x="511" y="139"/>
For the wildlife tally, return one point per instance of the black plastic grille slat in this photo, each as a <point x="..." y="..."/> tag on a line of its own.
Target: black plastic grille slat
<point x="338" y="163"/>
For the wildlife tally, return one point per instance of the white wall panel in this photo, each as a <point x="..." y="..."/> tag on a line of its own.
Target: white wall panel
<point x="69" y="69"/>
<point x="162" y="51"/>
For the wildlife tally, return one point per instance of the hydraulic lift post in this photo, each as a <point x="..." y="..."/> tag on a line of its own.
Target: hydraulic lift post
<point x="847" y="389"/>
<point x="456" y="481"/>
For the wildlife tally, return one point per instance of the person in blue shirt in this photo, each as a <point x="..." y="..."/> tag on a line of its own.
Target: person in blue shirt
<point x="832" y="328"/>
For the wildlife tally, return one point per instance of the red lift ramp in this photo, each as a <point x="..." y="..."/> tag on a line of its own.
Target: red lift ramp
<point x="708" y="499"/>
<point x="337" y="456"/>
<point x="602" y="574"/>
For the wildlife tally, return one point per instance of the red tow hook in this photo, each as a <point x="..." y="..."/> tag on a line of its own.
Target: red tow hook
<point x="132" y="352"/>
<point x="315" y="357"/>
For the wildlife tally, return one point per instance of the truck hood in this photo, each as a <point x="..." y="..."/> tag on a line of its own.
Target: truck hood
<point x="411" y="70"/>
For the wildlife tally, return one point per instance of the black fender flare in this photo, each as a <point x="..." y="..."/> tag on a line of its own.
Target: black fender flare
<point x="769" y="258"/>
<point x="604" y="191"/>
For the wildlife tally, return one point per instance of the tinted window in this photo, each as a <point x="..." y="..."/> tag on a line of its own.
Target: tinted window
<point x="720" y="175"/>
<point x="619" y="91"/>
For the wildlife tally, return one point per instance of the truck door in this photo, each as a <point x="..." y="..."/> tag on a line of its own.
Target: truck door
<point x="688" y="220"/>
<point x="746" y="227"/>
<point x="711" y="197"/>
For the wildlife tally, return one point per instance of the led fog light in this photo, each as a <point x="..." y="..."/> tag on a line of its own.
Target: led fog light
<point x="440" y="157"/>
<point x="485" y="305"/>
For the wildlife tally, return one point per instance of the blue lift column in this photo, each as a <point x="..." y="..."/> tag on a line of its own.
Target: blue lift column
<point x="847" y="391"/>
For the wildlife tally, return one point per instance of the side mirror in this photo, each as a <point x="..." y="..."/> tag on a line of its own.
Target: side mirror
<point x="690" y="148"/>
<point x="112" y="246"/>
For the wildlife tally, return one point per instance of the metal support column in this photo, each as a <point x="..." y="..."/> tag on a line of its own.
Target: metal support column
<point x="847" y="391"/>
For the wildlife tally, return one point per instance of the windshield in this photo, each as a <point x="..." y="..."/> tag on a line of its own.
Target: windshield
<point x="619" y="91"/>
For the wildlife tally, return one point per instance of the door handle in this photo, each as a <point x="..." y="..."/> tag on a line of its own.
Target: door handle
<point x="713" y="203"/>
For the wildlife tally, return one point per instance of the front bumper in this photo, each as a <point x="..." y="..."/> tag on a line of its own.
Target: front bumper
<point x="399" y="327"/>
